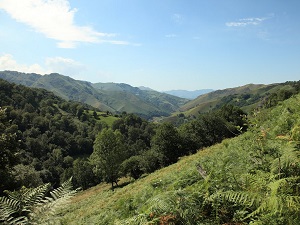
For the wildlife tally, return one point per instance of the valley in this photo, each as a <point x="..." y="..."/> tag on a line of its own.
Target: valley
<point x="137" y="171"/>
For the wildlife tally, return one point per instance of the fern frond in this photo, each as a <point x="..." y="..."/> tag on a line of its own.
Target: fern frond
<point x="293" y="202"/>
<point x="262" y="208"/>
<point x="8" y="208"/>
<point x="35" y="195"/>
<point x="45" y="209"/>
<point x="31" y="205"/>
<point x="288" y="163"/>
<point x="141" y="219"/>
<point x="64" y="190"/>
<point x="19" y="220"/>
<point x="242" y="198"/>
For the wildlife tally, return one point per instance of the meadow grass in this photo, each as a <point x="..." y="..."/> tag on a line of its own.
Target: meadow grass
<point x="93" y="205"/>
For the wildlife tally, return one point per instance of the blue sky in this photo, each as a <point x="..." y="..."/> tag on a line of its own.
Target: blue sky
<point x="161" y="44"/>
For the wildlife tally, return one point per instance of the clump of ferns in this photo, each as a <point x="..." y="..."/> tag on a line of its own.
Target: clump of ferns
<point x="33" y="206"/>
<point x="172" y="207"/>
<point x="287" y="163"/>
<point x="265" y="195"/>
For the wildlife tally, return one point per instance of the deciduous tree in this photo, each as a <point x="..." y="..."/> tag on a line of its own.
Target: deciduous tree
<point x="108" y="155"/>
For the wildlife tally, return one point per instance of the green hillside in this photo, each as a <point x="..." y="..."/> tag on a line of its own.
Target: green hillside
<point x="247" y="97"/>
<point x="111" y="97"/>
<point x="130" y="98"/>
<point x="250" y="179"/>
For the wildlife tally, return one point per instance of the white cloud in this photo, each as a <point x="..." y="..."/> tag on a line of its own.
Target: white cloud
<point x="7" y="62"/>
<point x="55" y="19"/>
<point x="246" y="22"/>
<point x="64" y="66"/>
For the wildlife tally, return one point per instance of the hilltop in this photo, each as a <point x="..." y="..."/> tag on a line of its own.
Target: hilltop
<point x="247" y="97"/>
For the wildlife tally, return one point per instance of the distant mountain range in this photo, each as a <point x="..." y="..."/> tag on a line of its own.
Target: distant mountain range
<point x="188" y="94"/>
<point x="145" y="102"/>
<point x="114" y="97"/>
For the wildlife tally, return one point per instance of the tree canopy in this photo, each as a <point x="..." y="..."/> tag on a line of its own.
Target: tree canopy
<point x="108" y="155"/>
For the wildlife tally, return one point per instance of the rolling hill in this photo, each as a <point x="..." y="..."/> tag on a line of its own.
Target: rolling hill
<point x="113" y="97"/>
<point x="247" y="97"/>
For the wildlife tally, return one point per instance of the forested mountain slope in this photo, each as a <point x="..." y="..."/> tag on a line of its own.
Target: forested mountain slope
<point x="250" y="179"/>
<point x="42" y="134"/>
<point x="112" y="97"/>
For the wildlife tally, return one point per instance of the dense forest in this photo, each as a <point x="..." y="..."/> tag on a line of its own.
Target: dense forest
<point x="45" y="139"/>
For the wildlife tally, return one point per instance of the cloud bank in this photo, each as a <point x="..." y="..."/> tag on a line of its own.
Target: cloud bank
<point x="55" y="19"/>
<point x="7" y="62"/>
<point x="64" y="66"/>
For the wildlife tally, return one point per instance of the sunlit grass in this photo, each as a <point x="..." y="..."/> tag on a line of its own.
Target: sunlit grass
<point x="92" y="205"/>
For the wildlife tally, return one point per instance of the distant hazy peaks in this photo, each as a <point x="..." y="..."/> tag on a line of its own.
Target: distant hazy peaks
<point x="188" y="94"/>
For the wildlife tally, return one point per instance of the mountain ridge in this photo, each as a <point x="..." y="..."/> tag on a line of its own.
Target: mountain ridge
<point x="114" y="97"/>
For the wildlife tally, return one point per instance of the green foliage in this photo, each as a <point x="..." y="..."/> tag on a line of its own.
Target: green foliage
<point x="151" y="160"/>
<point x="26" y="175"/>
<point x="167" y="142"/>
<point x="45" y="211"/>
<point x="33" y="206"/>
<point x="83" y="175"/>
<point x="132" y="167"/>
<point x="9" y="145"/>
<point x="109" y="153"/>
<point x="211" y="128"/>
<point x="38" y="130"/>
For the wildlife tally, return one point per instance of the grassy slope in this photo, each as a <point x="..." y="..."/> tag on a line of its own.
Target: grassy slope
<point x="132" y="98"/>
<point x="100" y="203"/>
<point x="215" y="99"/>
<point x="212" y="97"/>
<point x="208" y="101"/>
<point x="231" y="158"/>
